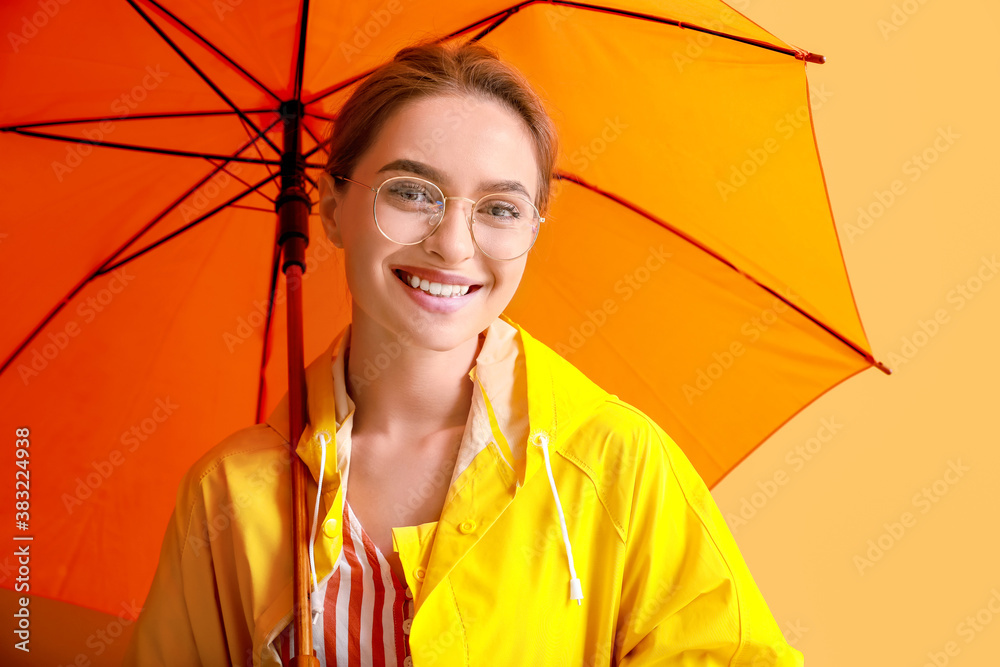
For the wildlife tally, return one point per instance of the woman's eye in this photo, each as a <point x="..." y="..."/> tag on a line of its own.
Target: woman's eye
<point x="409" y="196"/>
<point x="501" y="209"/>
<point x="410" y="191"/>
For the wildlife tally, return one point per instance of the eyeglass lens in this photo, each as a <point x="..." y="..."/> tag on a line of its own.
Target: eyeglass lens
<point x="408" y="210"/>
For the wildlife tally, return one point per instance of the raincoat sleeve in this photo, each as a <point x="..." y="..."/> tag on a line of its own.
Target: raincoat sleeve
<point x="181" y="622"/>
<point x="688" y="597"/>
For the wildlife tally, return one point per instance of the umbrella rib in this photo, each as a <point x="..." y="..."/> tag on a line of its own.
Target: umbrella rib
<point x="118" y="119"/>
<point x="100" y="271"/>
<point x="170" y="207"/>
<point x="185" y="195"/>
<point x="300" y="58"/>
<point x="181" y="230"/>
<point x="504" y="14"/>
<point x="312" y="134"/>
<point x="662" y="223"/>
<point x="317" y="148"/>
<point x="319" y="116"/>
<point x="496" y="24"/>
<point x="237" y="178"/>
<point x="310" y="153"/>
<point x="145" y="149"/>
<point x="255" y="208"/>
<point x="204" y="77"/>
<point x="253" y="143"/>
<point x="799" y="54"/>
<point x="194" y="187"/>
<point x="338" y="87"/>
<point x="194" y="33"/>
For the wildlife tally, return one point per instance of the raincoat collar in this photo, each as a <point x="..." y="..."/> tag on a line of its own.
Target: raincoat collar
<point x="549" y="410"/>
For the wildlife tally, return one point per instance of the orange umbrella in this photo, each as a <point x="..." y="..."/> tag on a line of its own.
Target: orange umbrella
<point x="689" y="263"/>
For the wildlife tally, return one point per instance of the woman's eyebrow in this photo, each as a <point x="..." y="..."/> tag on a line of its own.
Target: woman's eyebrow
<point x="414" y="167"/>
<point x="505" y="186"/>
<point x="430" y="173"/>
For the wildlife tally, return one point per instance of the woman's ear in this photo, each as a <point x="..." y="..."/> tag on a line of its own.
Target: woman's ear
<point x="329" y="208"/>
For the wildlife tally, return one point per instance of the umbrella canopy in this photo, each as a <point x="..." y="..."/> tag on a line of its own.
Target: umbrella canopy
<point x="689" y="263"/>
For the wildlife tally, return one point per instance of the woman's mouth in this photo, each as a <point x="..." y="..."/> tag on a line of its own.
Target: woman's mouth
<point x="440" y="290"/>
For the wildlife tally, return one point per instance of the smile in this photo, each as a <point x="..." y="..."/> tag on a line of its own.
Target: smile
<point x="440" y="290"/>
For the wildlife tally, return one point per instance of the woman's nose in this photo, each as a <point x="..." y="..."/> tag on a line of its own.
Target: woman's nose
<point x="452" y="239"/>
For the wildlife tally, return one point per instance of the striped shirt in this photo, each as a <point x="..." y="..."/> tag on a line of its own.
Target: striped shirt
<point x="376" y="607"/>
<point x="367" y="610"/>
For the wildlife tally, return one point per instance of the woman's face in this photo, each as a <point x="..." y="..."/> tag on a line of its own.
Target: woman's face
<point x="468" y="147"/>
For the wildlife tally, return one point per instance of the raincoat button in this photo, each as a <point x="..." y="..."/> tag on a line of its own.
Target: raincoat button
<point x="330" y="528"/>
<point x="406" y="625"/>
<point x="467" y="526"/>
<point x="419" y="573"/>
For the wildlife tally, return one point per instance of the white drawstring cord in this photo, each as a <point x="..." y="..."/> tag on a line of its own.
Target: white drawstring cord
<point x="575" y="587"/>
<point x="315" y="601"/>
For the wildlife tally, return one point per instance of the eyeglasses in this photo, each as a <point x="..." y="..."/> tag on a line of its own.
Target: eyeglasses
<point x="409" y="210"/>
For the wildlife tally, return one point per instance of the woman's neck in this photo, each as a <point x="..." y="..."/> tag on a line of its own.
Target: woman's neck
<point x="404" y="393"/>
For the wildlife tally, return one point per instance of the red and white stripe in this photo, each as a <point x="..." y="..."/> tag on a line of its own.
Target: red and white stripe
<point x="362" y="624"/>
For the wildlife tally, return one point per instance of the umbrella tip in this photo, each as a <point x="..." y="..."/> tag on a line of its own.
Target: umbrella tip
<point x="814" y="58"/>
<point x="882" y="367"/>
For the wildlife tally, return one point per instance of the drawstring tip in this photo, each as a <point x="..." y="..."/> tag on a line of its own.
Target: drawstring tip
<point x="576" y="590"/>
<point x="316" y="602"/>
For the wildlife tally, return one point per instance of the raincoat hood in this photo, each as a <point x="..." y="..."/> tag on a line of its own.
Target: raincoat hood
<point x="661" y="580"/>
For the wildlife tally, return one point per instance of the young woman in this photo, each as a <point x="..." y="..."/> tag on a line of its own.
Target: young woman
<point x="475" y="499"/>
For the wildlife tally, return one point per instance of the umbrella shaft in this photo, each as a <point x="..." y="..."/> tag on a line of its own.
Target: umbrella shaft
<point x="293" y="236"/>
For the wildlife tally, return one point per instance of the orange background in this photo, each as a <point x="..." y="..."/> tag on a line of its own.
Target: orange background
<point x="887" y="98"/>
<point x="888" y="95"/>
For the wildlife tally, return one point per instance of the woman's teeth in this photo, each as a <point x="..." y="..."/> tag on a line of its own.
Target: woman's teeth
<point x="437" y="289"/>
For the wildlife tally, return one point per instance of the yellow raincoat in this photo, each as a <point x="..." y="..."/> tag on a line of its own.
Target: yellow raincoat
<point x="661" y="578"/>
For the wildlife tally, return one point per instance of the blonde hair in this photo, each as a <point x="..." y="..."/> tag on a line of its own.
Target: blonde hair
<point x="429" y="69"/>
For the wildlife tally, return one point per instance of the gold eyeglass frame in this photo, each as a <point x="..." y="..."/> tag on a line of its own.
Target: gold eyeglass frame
<point x="444" y="203"/>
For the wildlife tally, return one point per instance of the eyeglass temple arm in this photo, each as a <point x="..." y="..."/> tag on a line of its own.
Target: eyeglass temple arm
<point x="345" y="178"/>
